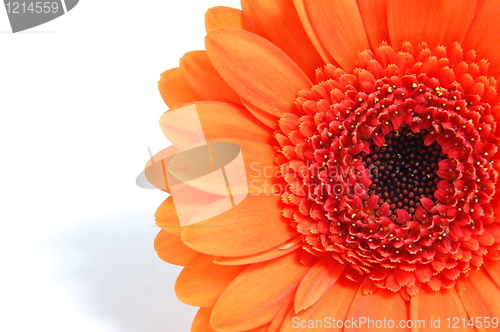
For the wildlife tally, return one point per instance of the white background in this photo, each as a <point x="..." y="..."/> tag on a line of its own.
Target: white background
<point x="79" y="107"/>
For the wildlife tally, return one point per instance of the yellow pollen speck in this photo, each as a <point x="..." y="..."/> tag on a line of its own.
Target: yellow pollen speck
<point x="472" y="210"/>
<point x="339" y="224"/>
<point x="440" y="238"/>
<point x="470" y="120"/>
<point x="330" y="134"/>
<point x="323" y="164"/>
<point x="389" y="90"/>
<point x="392" y="235"/>
<point x="410" y="246"/>
<point x="486" y="154"/>
<point x="376" y="100"/>
<point x="397" y="251"/>
<point x="340" y="127"/>
<point x="347" y="112"/>
<point x="321" y="197"/>
<point x="360" y="100"/>
<point x="353" y="215"/>
<point x="336" y="210"/>
<point x="331" y="180"/>
<point x="414" y="85"/>
<point x="325" y="156"/>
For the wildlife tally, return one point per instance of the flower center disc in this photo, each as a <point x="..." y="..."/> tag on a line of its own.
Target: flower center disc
<point x="403" y="171"/>
<point x="391" y="169"/>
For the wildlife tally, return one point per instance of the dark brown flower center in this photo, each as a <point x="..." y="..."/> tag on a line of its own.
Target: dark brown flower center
<point x="403" y="171"/>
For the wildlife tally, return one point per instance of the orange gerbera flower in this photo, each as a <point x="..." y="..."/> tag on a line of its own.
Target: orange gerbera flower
<point x="368" y="129"/>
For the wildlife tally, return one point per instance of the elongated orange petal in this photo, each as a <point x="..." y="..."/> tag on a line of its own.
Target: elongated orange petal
<point x="166" y="217"/>
<point x="279" y="22"/>
<point x="201" y="282"/>
<point x="277" y="322"/>
<point x="221" y="16"/>
<point x="334" y="304"/>
<point x="217" y="120"/>
<point x="170" y="248"/>
<point x="417" y="20"/>
<point x="480" y="295"/>
<point x="318" y="280"/>
<point x="262" y="257"/>
<point x="252" y="227"/>
<point x="173" y="88"/>
<point x="257" y="294"/>
<point x="268" y="119"/>
<point x="374" y="14"/>
<point x="460" y="19"/>
<point x="201" y="322"/>
<point x="381" y="305"/>
<point x="262" y="174"/>
<point x="339" y="27"/>
<point x="256" y="69"/>
<point x="493" y="268"/>
<point x="428" y="304"/>
<point x="300" y="7"/>
<point x="484" y="33"/>
<point x="204" y="81"/>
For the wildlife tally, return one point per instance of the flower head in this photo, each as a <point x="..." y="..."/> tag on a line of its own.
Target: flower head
<point x="369" y="135"/>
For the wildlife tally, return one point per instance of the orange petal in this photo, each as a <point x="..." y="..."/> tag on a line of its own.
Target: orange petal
<point x="221" y="16"/>
<point x="429" y="306"/>
<point x="156" y="169"/>
<point x="335" y="304"/>
<point x="279" y="22"/>
<point x="201" y="282"/>
<point x="256" y="69"/>
<point x="493" y="268"/>
<point x="261" y="171"/>
<point x="374" y="14"/>
<point x="217" y="120"/>
<point x="339" y="27"/>
<point x="174" y="89"/>
<point x="484" y="34"/>
<point x="480" y="295"/>
<point x="417" y="21"/>
<point x="262" y="257"/>
<point x="201" y="322"/>
<point x="257" y="294"/>
<point x="166" y="217"/>
<point x="170" y="248"/>
<point x="277" y="322"/>
<point x="379" y="306"/>
<point x="318" y="280"/>
<point x="460" y="19"/>
<point x="300" y="7"/>
<point x="268" y="119"/>
<point x="252" y="227"/>
<point x="204" y="81"/>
